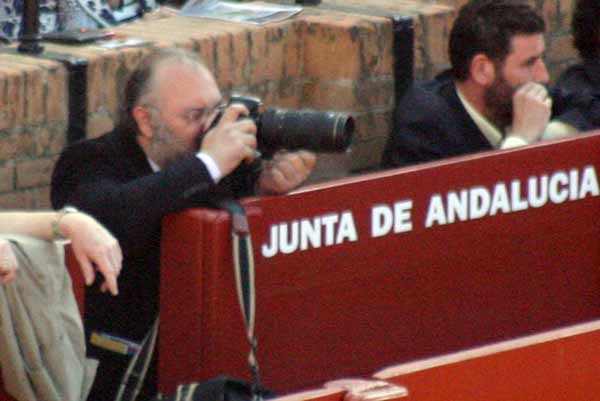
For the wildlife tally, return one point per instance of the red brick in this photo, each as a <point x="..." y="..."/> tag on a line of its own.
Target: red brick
<point x="367" y="155"/>
<point x="50" y="140"/>
<point x="4" y="102"/>
<point x="8" y="147"/>
<point x="549" y="11"/>
<point x="41" y="198"/>
<point x="331" y="166"/>
<point x="372" y="125"/>
<point x="7" y="177"/>
<point x="22" y="200"/>
<point x="332" y="48"/>
<point x="98" y="124"/>
<point x="34" y="173"/>
<point x="222" y="62"/>
<point x="205" y="48"/>
<point x="15" y="92"/>
<point x="95" y="84"/>
<point x="436" y="32"/>
<point x="240" y="61"/>
<point x="292" y="51"/>
<point x="565" y="14"/>
<point x="258" y="57"/>
<point x="289" y="94"/>
<point x="560" y="49"/>
<point x="275" y="54"/>
<point x="112" y="84"/>
<point x="350" y="95"/>
<point x="377" y="48"/>
<point x="34" y="95"/>
<point x="56" y="95"/>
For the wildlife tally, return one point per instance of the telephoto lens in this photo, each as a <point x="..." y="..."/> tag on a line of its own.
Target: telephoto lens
<point x="318" y="131"/>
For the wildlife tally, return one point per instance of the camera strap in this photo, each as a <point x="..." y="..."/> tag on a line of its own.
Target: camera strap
<point x="243" y="266"/>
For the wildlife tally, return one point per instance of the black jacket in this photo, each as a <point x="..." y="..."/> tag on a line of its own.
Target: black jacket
<point x="584" y="77"/>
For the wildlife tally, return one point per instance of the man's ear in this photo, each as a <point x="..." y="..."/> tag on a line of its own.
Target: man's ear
<point x="483" y="70"/>
<point x="143" y="119"/>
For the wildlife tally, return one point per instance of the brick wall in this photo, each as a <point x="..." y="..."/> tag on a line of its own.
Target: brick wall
<point x="335" y="56"/>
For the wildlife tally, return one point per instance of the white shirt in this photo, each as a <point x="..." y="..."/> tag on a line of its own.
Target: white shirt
<point x="209" y="163"/>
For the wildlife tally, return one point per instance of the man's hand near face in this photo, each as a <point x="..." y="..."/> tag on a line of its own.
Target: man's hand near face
<point x="232" y="140"/>
<point x="532" y="108"/>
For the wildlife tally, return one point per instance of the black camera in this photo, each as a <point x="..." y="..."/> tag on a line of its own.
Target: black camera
<point x="318" y="131"/>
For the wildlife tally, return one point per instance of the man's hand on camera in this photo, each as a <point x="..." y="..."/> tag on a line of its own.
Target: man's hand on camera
<point x="232" y="140"/>
<point x="532" y="108"/>
<point x="285" y="172"/>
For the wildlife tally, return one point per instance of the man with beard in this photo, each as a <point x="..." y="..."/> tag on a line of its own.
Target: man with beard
<point x="166" y="154"/>
<point x="493" y="97"/>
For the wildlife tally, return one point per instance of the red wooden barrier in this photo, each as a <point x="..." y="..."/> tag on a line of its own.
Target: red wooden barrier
<point x="558" y="365"/>
<point x="473" y="254"/>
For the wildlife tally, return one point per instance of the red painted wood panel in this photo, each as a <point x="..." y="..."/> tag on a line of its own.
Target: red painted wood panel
<point x="562" y="365"/>
<point x="353" y="307"/>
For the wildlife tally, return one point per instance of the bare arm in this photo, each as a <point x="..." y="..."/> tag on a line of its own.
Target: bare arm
<point x="92" y="244"/>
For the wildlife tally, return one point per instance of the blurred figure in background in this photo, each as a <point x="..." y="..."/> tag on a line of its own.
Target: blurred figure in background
<point x="585" y="25"/>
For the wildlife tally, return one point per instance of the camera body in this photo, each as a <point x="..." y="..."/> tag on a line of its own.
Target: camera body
<point x="317" y="131"/>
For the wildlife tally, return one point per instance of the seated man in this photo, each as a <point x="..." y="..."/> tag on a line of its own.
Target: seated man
<point x="493" y="97"/>
<point x="177" y="146"/>
<point x="585" y="76"/>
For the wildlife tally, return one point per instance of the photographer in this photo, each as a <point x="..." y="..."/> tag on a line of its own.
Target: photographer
<point x="164" y="156"/>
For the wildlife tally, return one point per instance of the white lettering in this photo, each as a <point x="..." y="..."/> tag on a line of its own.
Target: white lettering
<point x="402" y="216"/>
<point x="268" y="251"/>
<point x="573" y="184"/>
<point x="346" y="231"/>
<point x="457" y="206"/>
<point x="559" y="195"/>
<point x="479" y="202"/>
<point x="589" y="183"/>
<point x="310" y="232"/>
<point x="329" y="223"/>
<point x="435" y="212"/>
<point x="537" y="198"/>
<point x="381" y="220"/>
<point x="517" y="202"/>
<point x="499" y="200"/>
<point x="288" y="243"/>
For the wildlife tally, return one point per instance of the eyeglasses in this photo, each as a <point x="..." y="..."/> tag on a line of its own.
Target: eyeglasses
<point x="196" y="115"/>
<point x="204" y="113"/>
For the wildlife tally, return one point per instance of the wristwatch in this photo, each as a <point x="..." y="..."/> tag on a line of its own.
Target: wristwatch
<point x="56" y="233"/>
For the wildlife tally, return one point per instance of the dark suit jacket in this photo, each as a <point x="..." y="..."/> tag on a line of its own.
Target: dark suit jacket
<point x="111" y="179"/>
<point x="584" y="77"/>
<point x="431" y="123"/>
